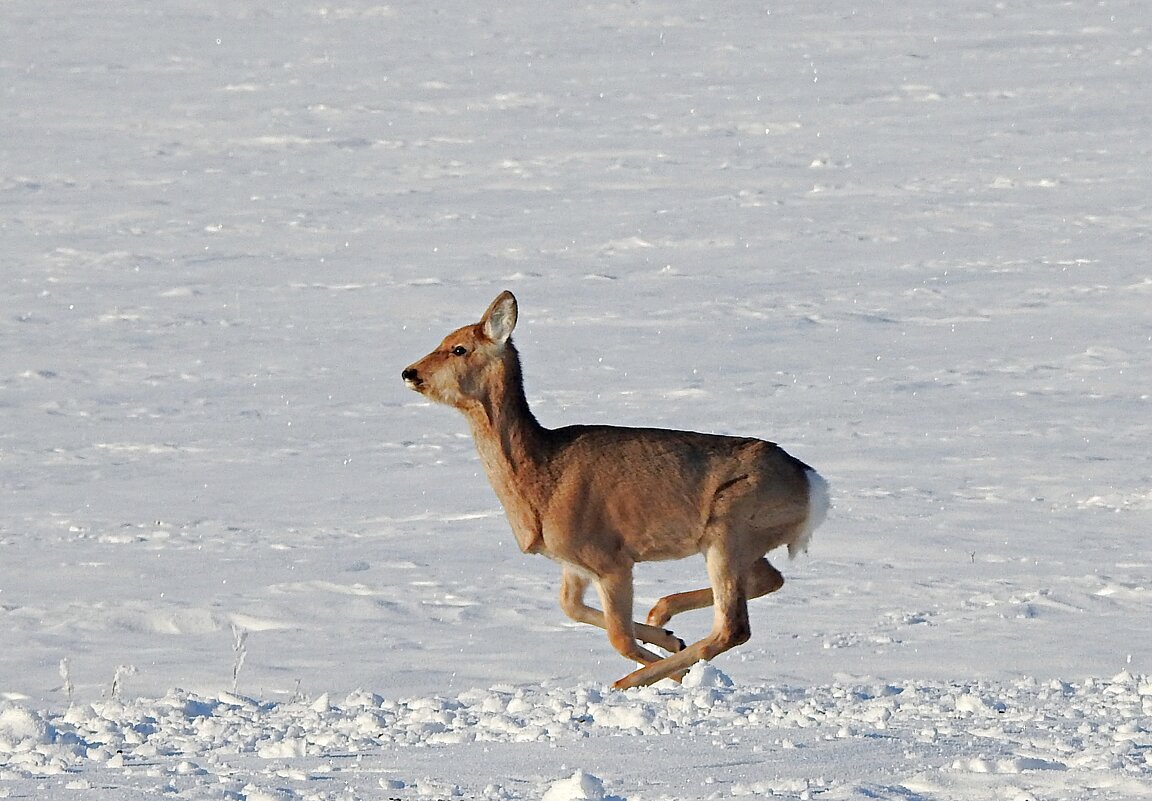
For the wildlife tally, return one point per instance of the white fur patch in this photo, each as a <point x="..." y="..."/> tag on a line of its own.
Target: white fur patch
<point x="819" y="502"/>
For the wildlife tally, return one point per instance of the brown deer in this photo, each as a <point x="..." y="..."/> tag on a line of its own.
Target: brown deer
<point x="598" y="499"/>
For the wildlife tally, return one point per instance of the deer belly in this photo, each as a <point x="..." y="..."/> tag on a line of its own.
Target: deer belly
<point x="602" y="539"/>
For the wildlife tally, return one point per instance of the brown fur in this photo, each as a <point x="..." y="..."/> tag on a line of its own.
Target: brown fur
<point x="599" y="499"/>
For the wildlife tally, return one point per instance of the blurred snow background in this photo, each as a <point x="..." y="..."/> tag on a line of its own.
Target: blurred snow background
<point x="908" y="243"/>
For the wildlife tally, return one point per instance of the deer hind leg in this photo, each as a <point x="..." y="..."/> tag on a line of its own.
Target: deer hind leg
<point x="573" y="585"/>
<point x="671" y="605"/>
<point x="730" y="625"/>
<point x="761" y="579"/>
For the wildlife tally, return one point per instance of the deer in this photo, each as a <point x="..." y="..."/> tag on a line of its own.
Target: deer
<point x="598" y="499"/>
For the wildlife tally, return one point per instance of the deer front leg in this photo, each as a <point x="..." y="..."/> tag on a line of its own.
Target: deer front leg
<point x="573" y="585"/>
<point x="730" y="627"/>
<point x="616" y="595"/>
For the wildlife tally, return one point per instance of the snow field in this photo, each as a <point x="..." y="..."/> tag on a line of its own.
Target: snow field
<point x="1055" y="735"/>
<point x="908" y="241"/>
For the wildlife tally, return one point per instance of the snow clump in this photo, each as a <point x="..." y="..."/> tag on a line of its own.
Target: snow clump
<point x="580" y="786"/>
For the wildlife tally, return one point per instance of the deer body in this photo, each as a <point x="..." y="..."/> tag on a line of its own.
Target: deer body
<point x="598" y="499"/>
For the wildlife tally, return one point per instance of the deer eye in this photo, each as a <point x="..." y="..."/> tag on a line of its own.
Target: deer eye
<point x="459" y="350"/>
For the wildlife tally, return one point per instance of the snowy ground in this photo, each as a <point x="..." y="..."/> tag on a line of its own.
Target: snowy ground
<point x="238" y="559"/>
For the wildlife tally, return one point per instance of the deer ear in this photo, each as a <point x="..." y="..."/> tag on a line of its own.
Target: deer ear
<point x="500" y="318"/>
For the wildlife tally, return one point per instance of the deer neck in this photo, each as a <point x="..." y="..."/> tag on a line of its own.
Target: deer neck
<point x="513" y="449"/>
<point x="511" y="443"/>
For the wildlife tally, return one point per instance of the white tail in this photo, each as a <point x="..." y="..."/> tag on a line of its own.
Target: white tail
<point x="599" y="499"/>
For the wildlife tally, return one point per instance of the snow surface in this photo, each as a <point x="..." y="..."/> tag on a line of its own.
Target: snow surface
<point x="908" y="241"/>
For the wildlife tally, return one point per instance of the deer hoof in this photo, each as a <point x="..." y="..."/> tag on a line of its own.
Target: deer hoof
<point x="658" y="616"/>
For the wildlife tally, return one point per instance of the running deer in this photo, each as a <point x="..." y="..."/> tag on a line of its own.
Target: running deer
<point x="598" y="499"/>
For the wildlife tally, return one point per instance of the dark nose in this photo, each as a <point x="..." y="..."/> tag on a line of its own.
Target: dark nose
<point x="410" y="374"/>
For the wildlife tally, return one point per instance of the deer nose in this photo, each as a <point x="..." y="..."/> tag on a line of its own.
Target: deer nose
<point x="410" y="375"/>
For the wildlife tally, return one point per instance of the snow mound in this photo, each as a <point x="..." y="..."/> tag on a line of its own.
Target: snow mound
<point x="30" y="745"/>
<point x="580" y="786"/>
<point x="707" y="675"/>
<point x="22" y="726"/>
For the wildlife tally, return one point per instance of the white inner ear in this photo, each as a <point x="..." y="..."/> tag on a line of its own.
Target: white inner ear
<point x="500" y="321"/>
